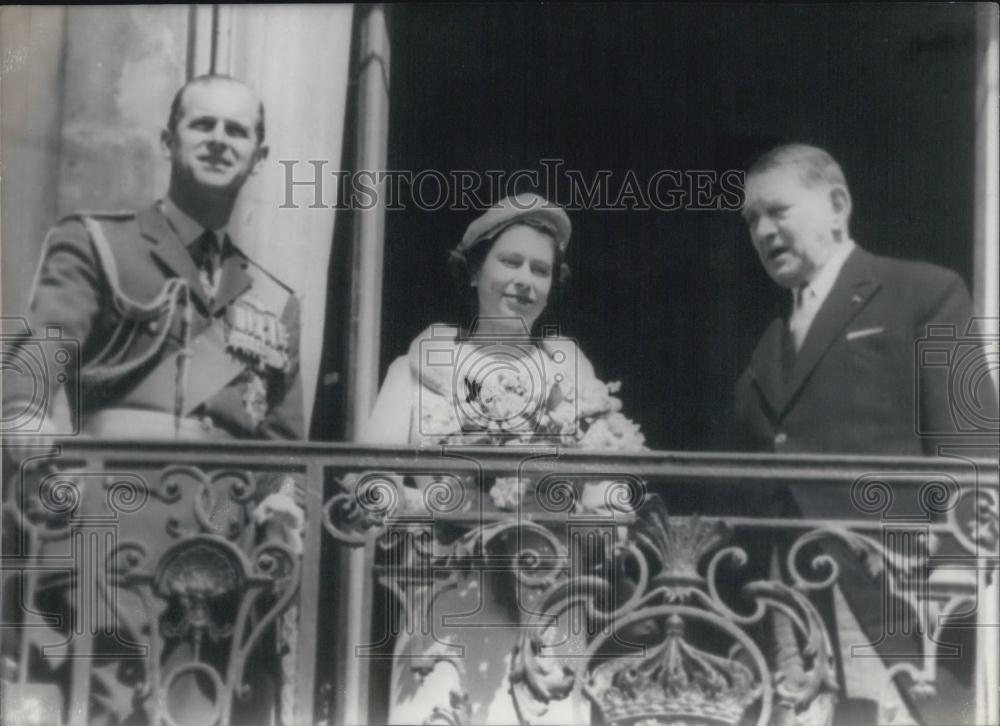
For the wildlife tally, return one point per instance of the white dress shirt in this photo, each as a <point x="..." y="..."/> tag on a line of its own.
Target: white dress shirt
<point x="807" y="299"/>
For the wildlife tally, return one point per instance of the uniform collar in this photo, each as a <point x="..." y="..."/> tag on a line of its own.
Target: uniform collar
<point x="187" y="229"/>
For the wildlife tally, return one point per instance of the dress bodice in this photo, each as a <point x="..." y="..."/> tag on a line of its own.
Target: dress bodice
<point x="482" y="390"/>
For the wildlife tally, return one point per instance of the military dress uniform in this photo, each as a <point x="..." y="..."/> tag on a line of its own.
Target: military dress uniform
<point x="158" y="349"/>
<point x="171" y="349"/>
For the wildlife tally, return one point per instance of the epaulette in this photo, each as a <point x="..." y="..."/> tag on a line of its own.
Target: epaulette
<point x="88" y="219"/>
<point x="120" y="216"/>
<point x="273" y="277"/>
<point x="108" y="364"/>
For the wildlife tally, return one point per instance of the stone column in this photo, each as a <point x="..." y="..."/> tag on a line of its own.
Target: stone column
<point x="123" y="65"/>
<point x="31" y="42"/>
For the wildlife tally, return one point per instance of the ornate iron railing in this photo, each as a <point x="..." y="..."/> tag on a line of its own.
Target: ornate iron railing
<point x="163" y="581"/>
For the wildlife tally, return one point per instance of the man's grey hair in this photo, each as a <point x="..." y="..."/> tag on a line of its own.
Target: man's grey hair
<point x="815" y="165"/>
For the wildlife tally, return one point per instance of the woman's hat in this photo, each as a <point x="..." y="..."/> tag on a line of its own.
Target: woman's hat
<point x="511" y="210"/>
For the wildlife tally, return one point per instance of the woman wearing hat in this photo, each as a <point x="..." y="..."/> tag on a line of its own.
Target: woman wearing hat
<point x="501" y="382"/>
<point x="510" y="264"/>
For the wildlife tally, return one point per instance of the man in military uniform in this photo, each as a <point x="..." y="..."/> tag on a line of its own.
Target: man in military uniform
<point x="181" y="334"/>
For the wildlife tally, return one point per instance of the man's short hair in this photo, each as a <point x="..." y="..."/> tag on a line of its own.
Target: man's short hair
<point x="177" y="105"/>
<point x="814" y="165"/>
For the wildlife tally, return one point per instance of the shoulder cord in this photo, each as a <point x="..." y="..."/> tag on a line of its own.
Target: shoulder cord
<point x="133" y="313"/>
<point x="183" y="361"/>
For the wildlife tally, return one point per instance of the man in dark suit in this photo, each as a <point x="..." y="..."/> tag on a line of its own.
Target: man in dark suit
<point x="180" y="335"/>
<point x="840" y="373"/>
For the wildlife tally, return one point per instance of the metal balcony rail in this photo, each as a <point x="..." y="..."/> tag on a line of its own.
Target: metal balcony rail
<point x="174" y="582"/>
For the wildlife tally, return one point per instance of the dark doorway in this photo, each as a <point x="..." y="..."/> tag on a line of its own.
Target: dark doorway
<point x="672" y="303"/>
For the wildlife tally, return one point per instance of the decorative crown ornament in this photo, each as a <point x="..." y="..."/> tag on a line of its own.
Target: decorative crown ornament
<point x="674" y="684"/>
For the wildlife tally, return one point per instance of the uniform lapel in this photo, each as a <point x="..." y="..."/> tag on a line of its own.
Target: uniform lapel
<point x="171" y="252"/>
<point x="235" y="279"/>
<point x="767" y="365"/>
<point x="855" y="286"/>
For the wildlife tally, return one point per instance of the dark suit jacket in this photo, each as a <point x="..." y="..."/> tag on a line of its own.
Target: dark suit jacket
<point x="867" y="379"/>
<point x="72" y="291"/>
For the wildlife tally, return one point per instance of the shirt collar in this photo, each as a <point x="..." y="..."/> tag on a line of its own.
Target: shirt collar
<point x="820" y="286"/>
<point x="187" y="228"/>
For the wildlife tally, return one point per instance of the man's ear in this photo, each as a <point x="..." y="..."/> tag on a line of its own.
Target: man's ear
<point x="261" y="156"/>
<point x="840" y="202"/>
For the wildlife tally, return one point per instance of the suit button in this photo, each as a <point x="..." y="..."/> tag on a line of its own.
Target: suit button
<point x="780" y="438"/>
<point x="153" y="326"/>
<point x="207" y="424"/>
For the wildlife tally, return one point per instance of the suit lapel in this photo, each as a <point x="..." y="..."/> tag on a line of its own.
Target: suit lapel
<point x="234" y="279"/>
<point x="855" y="286"/>
<point x="170" y="252"/>
<point x="767" y="365"/>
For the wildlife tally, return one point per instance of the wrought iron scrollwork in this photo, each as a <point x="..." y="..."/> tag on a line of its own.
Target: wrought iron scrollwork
<point x="673" y="650"/>
<point x="189" y="591"/>
<point x="975" y="522"/>
<point x="239" y="495"/>
<point x="362" y="505"/>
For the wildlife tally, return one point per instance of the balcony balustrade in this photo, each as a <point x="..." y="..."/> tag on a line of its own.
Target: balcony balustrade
<point x="169" y="583"/>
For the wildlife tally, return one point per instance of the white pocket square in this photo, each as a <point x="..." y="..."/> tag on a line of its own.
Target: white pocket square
<point x="864" y="333"/>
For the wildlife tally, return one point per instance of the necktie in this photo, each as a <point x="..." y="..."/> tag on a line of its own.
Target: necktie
<point x="798" y="322"/>
<point x="205" y="253"/>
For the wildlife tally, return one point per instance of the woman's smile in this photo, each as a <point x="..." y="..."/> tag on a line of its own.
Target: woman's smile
<point x="516" y="276"/>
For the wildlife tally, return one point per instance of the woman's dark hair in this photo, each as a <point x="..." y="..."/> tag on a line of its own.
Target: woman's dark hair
<point x="465" y="265"/>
